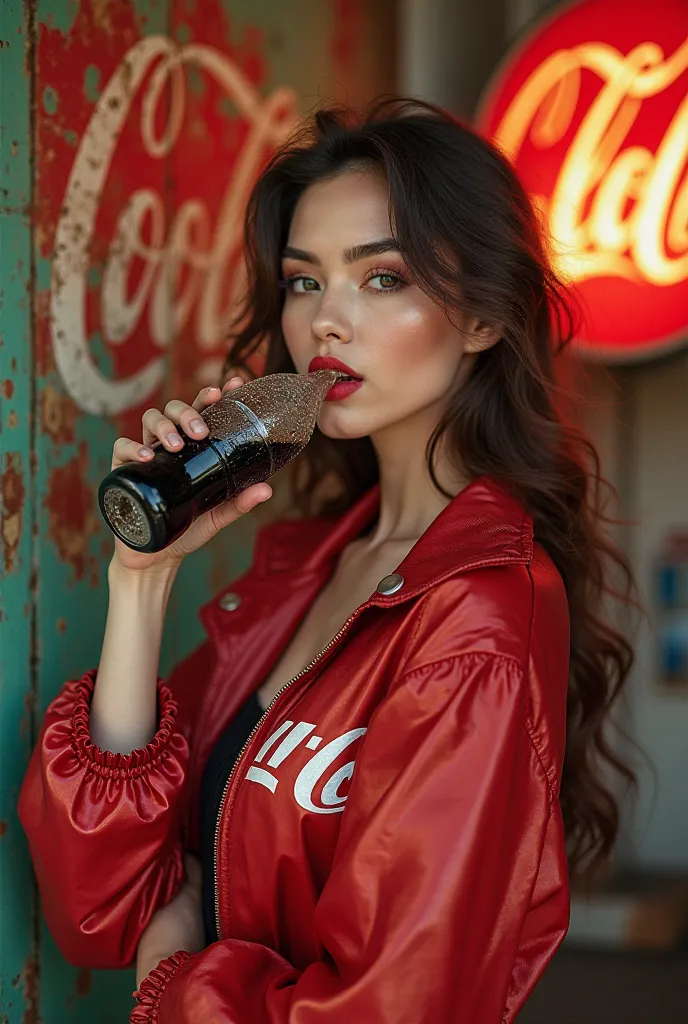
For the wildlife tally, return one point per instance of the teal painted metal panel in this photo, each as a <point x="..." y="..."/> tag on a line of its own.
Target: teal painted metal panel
<point x="118" y="290"/>
<point x="18" y="988"/>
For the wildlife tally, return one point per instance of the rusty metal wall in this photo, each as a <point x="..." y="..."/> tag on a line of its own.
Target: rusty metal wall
<point x="130" y="131"/>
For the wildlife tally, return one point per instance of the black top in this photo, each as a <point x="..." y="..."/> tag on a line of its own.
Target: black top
<point x="217" y="771"/>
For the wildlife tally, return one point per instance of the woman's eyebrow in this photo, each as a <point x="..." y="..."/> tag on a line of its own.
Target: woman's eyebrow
<point x="352" y="255"/>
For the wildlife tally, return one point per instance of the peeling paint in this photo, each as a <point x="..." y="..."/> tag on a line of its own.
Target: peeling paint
<point x="92" y="85"/>
<point x="31" y="1014"/>
<point x="70" y="502"/>
<point x="12" y="495"/>
<point x="45" y="357"/>
<point x="101" y="15"/>
<point x="58" y="415"/>
<point x="27" y="717"/>
<point x="8" y="388"/>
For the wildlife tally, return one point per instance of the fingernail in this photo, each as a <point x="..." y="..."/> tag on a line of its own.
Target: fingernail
<point x="198" y="426"/>
<point x="145" y="452"/>
<point x="174" y="439"/>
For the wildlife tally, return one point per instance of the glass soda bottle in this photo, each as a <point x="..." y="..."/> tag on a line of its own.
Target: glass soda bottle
<point x="254" y="431"/>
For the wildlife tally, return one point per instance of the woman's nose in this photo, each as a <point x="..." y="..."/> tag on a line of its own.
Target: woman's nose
<point x="331" y="321"/>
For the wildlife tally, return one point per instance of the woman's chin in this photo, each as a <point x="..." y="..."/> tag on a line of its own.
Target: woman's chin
<point x="334" y="426"/>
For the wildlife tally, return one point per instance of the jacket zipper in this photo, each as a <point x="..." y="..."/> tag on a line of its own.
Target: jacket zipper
<point x="255" y="729"/>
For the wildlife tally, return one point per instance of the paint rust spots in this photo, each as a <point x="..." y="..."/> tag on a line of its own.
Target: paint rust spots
<point x="3" y="827"/>
<point x="58" y="415"/>
<point x="31" y="1014"/>
<point x="101" y="16"/>
<point x="83" y="982"/>
<point x="27" y="717"/>
<point x="12" y="495"/>
<point x="8" y="388"/>
<point x="44" y="354"/>
<point x="12" y="419"/>
<point x="70" y="504"/>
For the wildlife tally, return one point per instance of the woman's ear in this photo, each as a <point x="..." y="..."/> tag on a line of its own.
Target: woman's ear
<point x="480" y="336"/>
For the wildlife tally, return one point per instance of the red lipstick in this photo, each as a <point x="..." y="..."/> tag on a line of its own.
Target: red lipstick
<point x="343" y="388"/>
<point x="330" y="363"/>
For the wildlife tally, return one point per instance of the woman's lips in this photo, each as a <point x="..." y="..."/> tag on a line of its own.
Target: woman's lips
<point x="330" y="363"/>
<point x="342" y="389"/>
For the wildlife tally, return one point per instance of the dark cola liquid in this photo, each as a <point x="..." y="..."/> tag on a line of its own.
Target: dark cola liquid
<point x="252" y="462"/>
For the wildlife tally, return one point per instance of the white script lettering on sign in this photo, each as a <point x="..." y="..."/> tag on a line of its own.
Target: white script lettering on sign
<point x="198" y="241"/>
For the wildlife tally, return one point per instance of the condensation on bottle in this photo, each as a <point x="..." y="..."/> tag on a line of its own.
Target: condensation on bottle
<point x="254" y="431"/>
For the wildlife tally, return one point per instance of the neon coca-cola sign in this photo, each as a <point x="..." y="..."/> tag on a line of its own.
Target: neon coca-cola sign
<point x="592" y="108"/>
<point x="165" y="268"/>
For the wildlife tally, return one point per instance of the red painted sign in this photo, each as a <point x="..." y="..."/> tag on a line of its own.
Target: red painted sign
<point x="592" y="108"/>
<point x="150" y="144"/>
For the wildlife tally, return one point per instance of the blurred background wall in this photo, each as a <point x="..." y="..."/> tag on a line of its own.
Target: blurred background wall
<point x="637" y="415"/>
<point x="80" y="360"/>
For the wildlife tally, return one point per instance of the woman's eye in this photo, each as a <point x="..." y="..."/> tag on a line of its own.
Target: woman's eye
<point x="387" y="282"/>
<point x="303" y="284"/>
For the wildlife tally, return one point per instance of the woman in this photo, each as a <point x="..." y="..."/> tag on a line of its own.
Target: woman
<point x="431" y="622"/>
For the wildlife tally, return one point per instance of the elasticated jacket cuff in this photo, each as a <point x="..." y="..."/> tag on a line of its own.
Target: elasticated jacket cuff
<point x="106" y="762"/>
<point x="152" y="987"/>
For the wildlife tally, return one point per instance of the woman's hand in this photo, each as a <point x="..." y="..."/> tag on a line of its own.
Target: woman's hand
<point x="162" y="426"/>
<point x="177" y="926"/>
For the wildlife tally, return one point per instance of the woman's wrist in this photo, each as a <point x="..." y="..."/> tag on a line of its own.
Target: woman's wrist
<point x="142" y="581"/>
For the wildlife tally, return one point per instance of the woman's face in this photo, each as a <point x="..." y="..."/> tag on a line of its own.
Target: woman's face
<point x="359" y="304"/>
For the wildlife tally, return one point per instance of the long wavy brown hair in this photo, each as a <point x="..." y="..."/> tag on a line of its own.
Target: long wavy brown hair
<point x="471" y="240"/>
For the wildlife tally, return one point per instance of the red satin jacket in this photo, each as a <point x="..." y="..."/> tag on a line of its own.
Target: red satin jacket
<point x="390" y="848"/>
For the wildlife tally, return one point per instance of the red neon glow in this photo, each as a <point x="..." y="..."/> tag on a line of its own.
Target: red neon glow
<point x="592" y="108"/>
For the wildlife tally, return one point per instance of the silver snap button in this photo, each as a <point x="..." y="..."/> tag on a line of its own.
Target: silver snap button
<point x="229" y="602"/>
<point x="390" y="584"/>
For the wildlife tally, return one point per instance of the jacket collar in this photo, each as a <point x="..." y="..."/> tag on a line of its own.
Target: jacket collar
<point x="483" y="525"/>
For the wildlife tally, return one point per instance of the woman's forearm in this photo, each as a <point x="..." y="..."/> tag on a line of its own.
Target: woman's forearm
<point x="124" y="707"/>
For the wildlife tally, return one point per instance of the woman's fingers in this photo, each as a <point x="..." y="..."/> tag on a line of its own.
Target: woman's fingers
<point x="232" y="510"/>
<point x="187" y="418"/>
<point x="216" y="519"/>
<point x="249" y="498"/>
<point x="208" y="396"/>
<point x="126" y="450"/>
<point x="158" y="427"/>
<point x="171" y="426"/>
